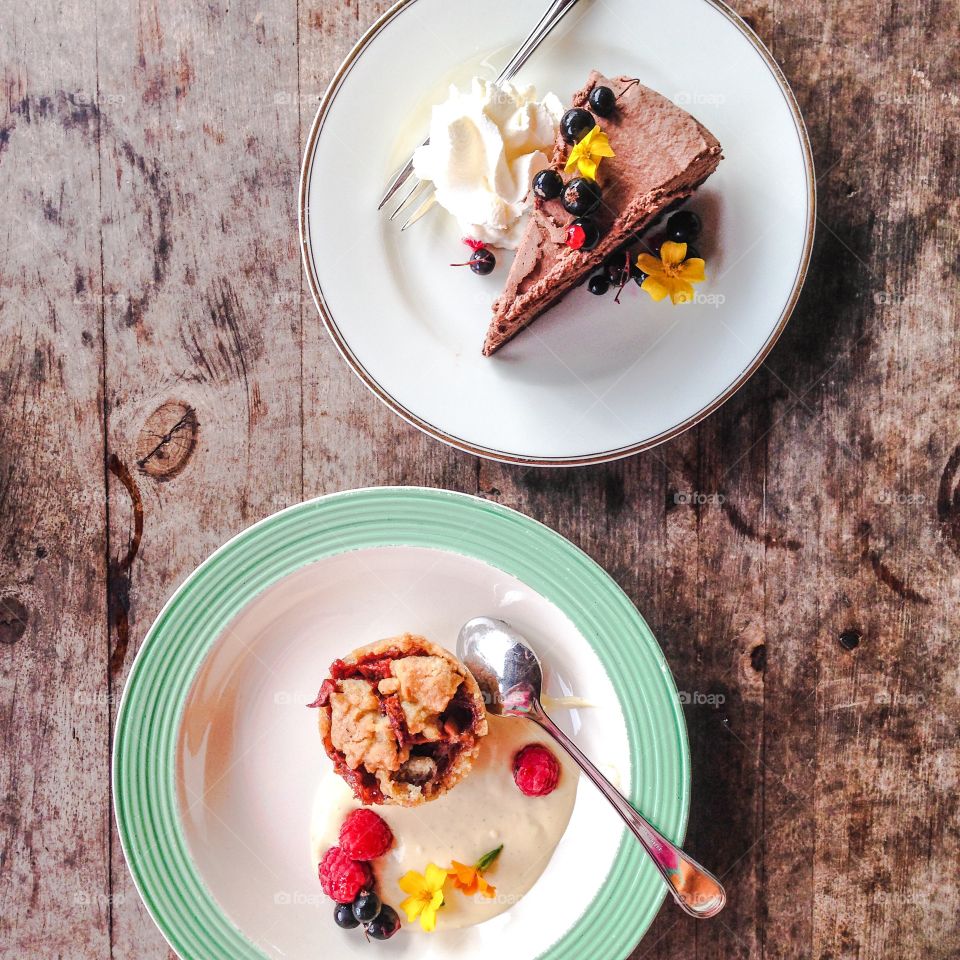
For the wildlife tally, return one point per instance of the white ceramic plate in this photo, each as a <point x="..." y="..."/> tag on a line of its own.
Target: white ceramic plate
<point x="591" y="380"/>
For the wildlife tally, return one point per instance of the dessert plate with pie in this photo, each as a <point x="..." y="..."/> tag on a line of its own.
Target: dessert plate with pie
<point x="304" y="768"/>
<point x="600" y="252"/>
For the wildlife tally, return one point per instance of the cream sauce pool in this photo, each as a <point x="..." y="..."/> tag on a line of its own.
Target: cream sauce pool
<point x="481" y="812"/>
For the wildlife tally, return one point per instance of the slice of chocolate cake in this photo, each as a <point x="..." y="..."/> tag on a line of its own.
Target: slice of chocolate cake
<point x="662" y="155"/>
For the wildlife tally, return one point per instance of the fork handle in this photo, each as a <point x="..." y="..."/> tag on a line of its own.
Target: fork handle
<point x="555" y="13"/>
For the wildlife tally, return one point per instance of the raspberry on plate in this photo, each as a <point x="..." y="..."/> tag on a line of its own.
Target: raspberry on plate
<point x="364" y="835"/>
<point x="341" y="877"/>
<point x="536" y="770"/>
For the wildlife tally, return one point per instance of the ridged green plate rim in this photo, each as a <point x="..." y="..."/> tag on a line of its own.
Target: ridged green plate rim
<point x="144" y="761"/>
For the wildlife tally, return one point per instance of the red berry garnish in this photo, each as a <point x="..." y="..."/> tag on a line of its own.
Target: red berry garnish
<point x="364" y="835"/>
<point x="576" y="236"/>
<point x="583" y="234"/>
<point x="342" y="877"/>
<point x="536" y="770"/>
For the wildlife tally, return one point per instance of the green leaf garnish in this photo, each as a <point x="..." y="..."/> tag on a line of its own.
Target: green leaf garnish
<point x="488" y="859"/>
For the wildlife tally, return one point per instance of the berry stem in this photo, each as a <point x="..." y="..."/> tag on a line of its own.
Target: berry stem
<point x="625" y="276"/>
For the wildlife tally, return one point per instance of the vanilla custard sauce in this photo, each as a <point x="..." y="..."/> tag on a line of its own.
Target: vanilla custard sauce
<point x="483" y="811"/>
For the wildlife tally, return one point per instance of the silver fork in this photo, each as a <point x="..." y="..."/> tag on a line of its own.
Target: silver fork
<point x="555" y="13"/>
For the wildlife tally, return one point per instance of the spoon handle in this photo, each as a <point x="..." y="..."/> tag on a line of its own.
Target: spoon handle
<point x="696" y="890"/>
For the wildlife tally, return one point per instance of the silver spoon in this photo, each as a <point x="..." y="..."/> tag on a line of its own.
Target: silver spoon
<point x="509" y="671"/>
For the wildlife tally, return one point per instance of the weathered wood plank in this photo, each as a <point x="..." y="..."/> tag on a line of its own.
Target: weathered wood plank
<point x="200" y="164"/>
<point x="856" y="468"/>
<point x="54" y="720"/>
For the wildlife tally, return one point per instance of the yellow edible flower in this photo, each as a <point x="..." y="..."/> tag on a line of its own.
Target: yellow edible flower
<point x="588" y="153"/>
<point x="672" y="274"/>
<point x="425" y="895"/>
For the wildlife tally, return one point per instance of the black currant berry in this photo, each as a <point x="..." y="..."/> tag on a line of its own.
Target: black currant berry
<point x="603" y="101"/>
<point x="482" y="262"/>
<point x="385" y="925"/>
<point x="598" y="285"/>
<point x="683" y="227"/>
<point x="343" y="916"/>
<point x="583" y="234"/>
<point x="576" y="124"/>
<point x="366" y="906"/>
<point x="548" y="185"/>
<point x="616" y="266"/>
<point x="581" y="196"/>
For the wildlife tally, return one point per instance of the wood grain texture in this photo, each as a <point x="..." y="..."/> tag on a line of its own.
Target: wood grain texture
<point x="54" y="771"/>
<point x="165" y="381"/>
<point x="199" y="155"/>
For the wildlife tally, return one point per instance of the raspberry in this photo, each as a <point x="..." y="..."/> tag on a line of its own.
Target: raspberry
<point x="364" y="835"/>
<point x="536" y="770"/>
<point x="342" y="878"/>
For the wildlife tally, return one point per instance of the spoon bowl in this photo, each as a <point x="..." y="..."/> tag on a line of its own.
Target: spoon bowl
<point x="504" y="664"/>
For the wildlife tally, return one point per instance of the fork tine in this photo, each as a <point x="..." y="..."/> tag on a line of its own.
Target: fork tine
<point x="422" y="210"/>
<point x="411" y="197"/>
<point x="398" y="181"/>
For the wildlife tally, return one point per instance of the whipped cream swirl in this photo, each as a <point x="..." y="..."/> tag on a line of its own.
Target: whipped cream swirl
<point x="486" y="145"/>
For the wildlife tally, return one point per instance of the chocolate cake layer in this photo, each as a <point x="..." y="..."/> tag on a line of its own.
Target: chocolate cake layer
<point x="662" y="155"/>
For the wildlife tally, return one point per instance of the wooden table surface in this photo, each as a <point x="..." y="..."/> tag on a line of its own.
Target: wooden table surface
<point x="165" y="382"/>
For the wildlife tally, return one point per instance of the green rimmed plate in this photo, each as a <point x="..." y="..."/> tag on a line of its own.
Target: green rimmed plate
<point x="216" y="759"/>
